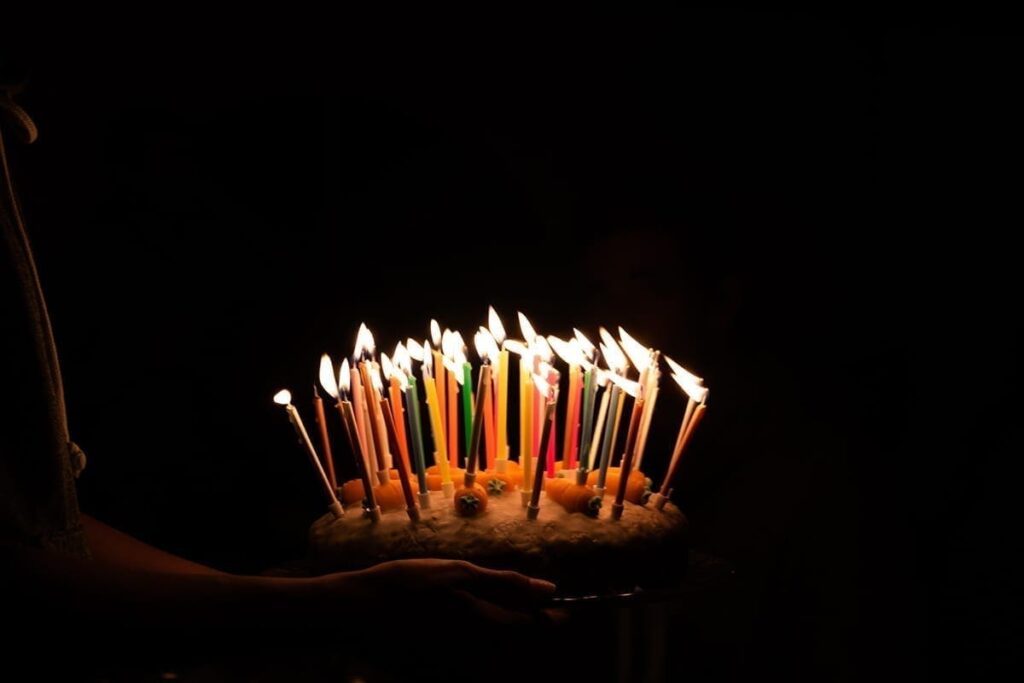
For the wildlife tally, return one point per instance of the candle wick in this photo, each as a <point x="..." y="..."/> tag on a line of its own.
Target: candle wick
<point x="315" y="393"/>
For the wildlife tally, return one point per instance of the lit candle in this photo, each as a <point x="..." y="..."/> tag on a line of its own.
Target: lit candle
<point x="413" y="351"/>
<point x="568" y="354"/>
<point x="525" y="415"/>
<point x="695" y="406"/>
<point x="611" y="352"/>
<point x="339" y="391"/>
<point x="361" y="419"/>
<point x="501" y="409"/>
<point x="436" y="429"/>
<point x="476" y="429"/>
<point x="403" y="460"/>
<point x="608" y="442"/>
<point x="630" y="451"/>
<point x="454" y="376"/>
<point x="396" y="386"/>
<point x="602" y="413"/>
<point x="438" y="364"/>
<point x="487" y="348"/>
<point x="376" y="430"/>
<point x="588" y="425"/>
<point x="550" y="393"/>
<point x="467" y="404"/>
<point x="321" y="421"/>
<point x="284" y="398"/>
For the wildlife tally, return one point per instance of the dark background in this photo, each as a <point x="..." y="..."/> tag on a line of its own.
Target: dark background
<point x="807" y="209"/>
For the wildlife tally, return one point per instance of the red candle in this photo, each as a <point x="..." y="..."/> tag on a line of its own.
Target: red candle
<point x="489" y="434"/>
<point x="325" y="442"/>
<point x="403" y="461"/>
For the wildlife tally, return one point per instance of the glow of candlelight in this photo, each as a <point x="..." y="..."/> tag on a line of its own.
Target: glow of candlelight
<point x="364" y="343"/>
<point x="632" y="388"/>
<point x="542" y="349"/>
<point x="639" y="355"/>
<point x="694" y="391"/>
<point x="585" y="344"/>
<point x="428" y="358"/>
<point x="529" y="334"/>
<point x="344" y="377"/>
<point x="678" y="369"/>
<point x="386" y="366"/>
<point x="435" y="332"/>
<point x="612" y="353"/>
<point x="494" y="326"/>
<point x="283" y="397"/>
<point x="415" y="349"/>
<point x="486" y="345"/>
<point x="327" y="380"/>
<point x="515" y="346"/>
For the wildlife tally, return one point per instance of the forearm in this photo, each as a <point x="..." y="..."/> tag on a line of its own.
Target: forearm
<point x="49" y="586"/>
<point x="112" y="547"/>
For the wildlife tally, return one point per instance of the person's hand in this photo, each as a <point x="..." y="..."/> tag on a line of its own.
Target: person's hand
<point x="458" y="589"/>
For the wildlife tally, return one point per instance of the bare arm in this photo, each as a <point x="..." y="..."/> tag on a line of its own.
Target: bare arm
<point x="112" y="547"/>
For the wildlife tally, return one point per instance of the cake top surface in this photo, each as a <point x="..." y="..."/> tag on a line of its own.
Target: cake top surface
<point x="500" y="536"/>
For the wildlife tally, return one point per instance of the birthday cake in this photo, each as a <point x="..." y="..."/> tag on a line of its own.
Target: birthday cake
<point x="580" y="553"/>
<point x="590" y="525"/>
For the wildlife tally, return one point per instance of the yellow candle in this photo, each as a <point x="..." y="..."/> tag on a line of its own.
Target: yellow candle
<point x="502" y="408"/>
<point x="439" y="383"/>
<point x="437" y="428"/>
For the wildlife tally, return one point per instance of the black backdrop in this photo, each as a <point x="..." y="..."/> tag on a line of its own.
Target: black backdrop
<point x="804" y="208"/>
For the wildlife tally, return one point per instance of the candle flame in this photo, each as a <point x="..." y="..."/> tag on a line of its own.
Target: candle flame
<point x="447" y="342"/>
<point x="327" y="380"/>
<point x="678" y="369"/>
<point x="561" y="347"/>
<point x="428" y="358"/>
<point x="344" y="377"/>
<point x="402" y="360"/>
<point x="486" y="345"/>
<point x="569" y="351"/>
<point x="454" y="367"/>
<point x="515" y="346"/>
<point x="601" y="377"/>
<point x="587" y="345"/>
<point x="415" y="349"/>
<point x="629" y="386"/>
<point x="542" y="349"/>
<point x="612" y="353"/>
<point x="283" y="397"/>
<point x="364" y="343"/>
<point x="695" y="391"/>
<point x="639" y="355"/>
<point x="375" y="377"/>
<point x="387" y="366"/>
<point x="529" y="334"/>
<point x="435" y="332"/>
<point x="546" y="380"/>
<point x="494" y="325"/>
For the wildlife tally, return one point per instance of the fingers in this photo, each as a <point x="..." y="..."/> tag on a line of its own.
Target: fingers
<point x="491" y="612"/>
<point x="503" y="587"/>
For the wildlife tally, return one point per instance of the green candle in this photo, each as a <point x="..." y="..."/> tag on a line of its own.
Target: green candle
<point x="609" y="429"/>
<point x="413" y="417"/>
<point x="467" y="405"/>
<point x="588" y="424"/>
